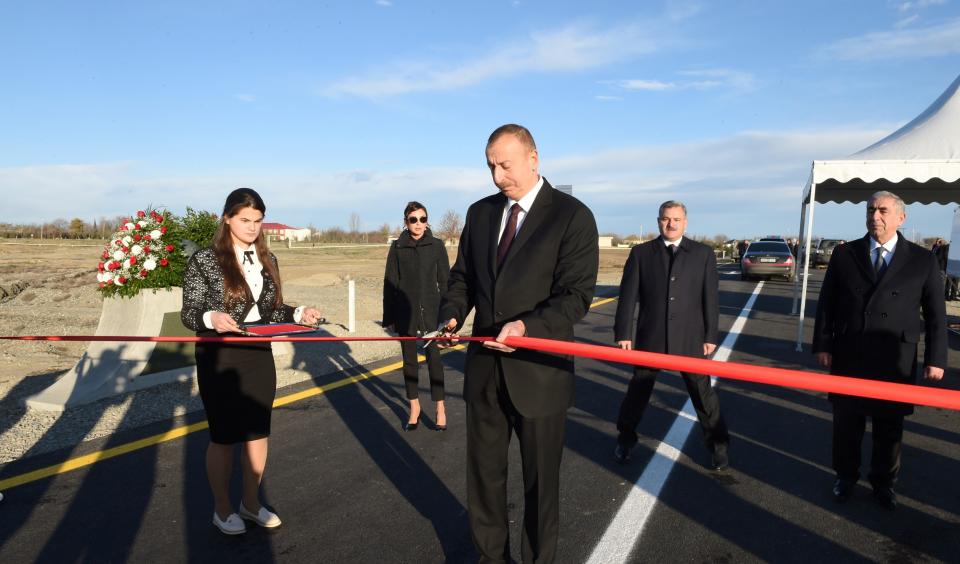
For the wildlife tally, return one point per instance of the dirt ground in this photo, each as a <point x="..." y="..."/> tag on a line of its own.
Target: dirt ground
<point x="50" y="289"/>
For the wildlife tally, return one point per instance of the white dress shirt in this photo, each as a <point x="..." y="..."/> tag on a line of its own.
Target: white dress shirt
<point x="525" y="203"/>
<point x="673" y="243"/>
<point x="890" y="247"/>
<point x="253" y="274"/>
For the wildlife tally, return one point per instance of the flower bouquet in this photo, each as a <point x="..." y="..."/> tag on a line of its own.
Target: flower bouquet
<point x="145" y="252"/>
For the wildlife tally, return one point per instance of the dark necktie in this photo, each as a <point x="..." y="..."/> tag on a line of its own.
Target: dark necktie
<point x="508" y="234"/>
<point x="247" y="257"/>
<point x="880" y="265"/>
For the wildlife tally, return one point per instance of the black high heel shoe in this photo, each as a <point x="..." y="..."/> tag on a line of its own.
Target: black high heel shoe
<point x="408" y="426"/>
<point x="439" y="427"/>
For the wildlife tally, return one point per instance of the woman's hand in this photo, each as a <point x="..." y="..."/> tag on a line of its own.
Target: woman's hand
<point x="310" y="316"/>
<point x="223" y="323"/>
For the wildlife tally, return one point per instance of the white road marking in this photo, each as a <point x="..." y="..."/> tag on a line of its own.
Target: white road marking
<point x="631" y="519"/>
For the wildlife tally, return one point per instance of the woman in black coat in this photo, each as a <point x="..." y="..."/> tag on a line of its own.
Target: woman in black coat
<point x="415" y="278"/>
<point x="236" y="280"/>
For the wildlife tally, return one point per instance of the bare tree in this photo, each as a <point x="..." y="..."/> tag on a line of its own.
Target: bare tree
<point x="354" y="222"/>
<point x="450" y="225"/>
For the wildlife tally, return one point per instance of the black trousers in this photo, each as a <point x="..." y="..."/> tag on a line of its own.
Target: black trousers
<point x="491" y="421"/>
<point x="411" y="370"/>
<point x="848" y="430"/>
<point x="704" y="398"/>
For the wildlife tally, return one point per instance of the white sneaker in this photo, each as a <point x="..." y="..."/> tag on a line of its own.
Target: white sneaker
<point x="264" y="517"/>
<point x="232" y="526"/>
<point x="1" y="496"/>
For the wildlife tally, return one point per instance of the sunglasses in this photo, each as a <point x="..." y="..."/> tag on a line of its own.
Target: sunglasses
<point x="413" y="220"/>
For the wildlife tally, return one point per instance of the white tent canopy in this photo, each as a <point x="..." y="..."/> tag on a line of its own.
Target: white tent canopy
<point x="920" y="162"/>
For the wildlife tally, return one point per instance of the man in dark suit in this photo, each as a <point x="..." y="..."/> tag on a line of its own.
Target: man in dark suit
<point x="527" y="264"/>
<point x="868" y="326"/>
<point x="674" y="280"/>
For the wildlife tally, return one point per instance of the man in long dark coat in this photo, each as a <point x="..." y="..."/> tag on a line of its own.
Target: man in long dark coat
<point x="868" y="325"/>
<point x="674" y="281"/>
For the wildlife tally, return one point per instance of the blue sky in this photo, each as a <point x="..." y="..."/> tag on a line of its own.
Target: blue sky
<point x="333" y="108"/>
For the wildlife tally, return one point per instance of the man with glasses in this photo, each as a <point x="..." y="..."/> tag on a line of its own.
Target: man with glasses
<point x="868" y="326"/>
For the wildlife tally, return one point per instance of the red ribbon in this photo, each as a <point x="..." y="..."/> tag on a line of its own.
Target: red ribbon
<point x="814" y="381"/>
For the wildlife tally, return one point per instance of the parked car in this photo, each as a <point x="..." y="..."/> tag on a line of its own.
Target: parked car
<point x="767" y="259"/>
<point x="823" y="251"/>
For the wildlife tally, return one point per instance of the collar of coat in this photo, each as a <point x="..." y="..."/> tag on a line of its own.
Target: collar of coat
<point x="405" y="240"/>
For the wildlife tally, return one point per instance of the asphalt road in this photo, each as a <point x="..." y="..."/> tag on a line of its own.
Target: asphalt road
<point x="351" y="486"/>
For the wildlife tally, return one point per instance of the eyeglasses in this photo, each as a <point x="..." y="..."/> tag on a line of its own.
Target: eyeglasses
<point x="413" y="219"/>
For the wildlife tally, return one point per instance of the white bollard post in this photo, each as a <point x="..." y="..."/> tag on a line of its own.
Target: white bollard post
<point x="352" y="305"/>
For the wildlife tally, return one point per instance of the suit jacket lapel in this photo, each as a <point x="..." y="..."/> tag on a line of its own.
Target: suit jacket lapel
<point x="496" y="217"/>
<point x="861" y="252"/>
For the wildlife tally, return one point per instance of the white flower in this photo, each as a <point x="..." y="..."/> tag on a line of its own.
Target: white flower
<point x="107" y="276"/>
<point x="149" y="264"/>
<point x="127" y="240"/>
<point x="129" y="225"/>
<point x="141" y="224"/>
<point x="136" y="250"/>
<point x="156" y="234"/>
<point x="118" y="255"/>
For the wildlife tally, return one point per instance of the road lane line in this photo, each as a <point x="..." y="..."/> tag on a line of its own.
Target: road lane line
<point x="77" y="462"/>
<point x="631" y="519"/>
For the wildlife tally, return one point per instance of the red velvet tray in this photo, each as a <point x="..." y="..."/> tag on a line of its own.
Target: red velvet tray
<point x="276" y="329"/>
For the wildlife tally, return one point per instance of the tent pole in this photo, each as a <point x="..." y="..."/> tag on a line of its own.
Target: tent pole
<point x="806" y="263"/>
<point x="800" y="243"/>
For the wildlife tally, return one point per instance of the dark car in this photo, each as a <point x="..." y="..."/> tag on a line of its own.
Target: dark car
<point x="823" y="251"/>
<point x="768" y="259"/>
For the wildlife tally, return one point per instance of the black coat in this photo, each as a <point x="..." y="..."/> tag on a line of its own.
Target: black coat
<point x="203" y="291"/>
<point x="679" y="309"/>
<point x="872" y="328"/>
<point x="547" y="280"/>
<point x="416" y="274"/>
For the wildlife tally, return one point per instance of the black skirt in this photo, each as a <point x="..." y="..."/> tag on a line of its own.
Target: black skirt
<point x="238" y="383"/>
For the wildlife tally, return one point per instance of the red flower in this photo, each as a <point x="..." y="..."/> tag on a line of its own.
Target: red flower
<point x="126" y="250"/>
<point x="146" y="249"/>
<point x="137" y="237"/>
<point x="102" y="284"/>
<point x="100" y="267"/>
<point x="106" y="255"/>
<point x="169" y="248"/>
<point x="163" y="229"/>
<point x="160" y="219"/>
<point x="122" y="280"/>
<point x="164" y="262"/>
<point x="147" y="238"/>
<point x="133" y="261"/>
<point x="143" y="274"/>
<point x="141" y="214"/>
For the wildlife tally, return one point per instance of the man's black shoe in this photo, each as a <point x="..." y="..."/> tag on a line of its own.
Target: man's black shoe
<point x="842" y="490"/>
<point x="622" y="453"/>
<point x="720" y="460"/>
<point x="886" y="497"/>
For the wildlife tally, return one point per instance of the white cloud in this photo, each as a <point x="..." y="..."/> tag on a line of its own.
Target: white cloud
<point x="930" y="41"/>
<point x="385" y="3"/>
<point x="604" y="98"/>
<point x="704" y="79"/>
<point x="752" y="179"/>
<point x="245" y="97"/>
<point x="900" y="24"/>
<point x="919" y="4"/>
<point x="572" y="48"/>
<point x="640" y="84"/>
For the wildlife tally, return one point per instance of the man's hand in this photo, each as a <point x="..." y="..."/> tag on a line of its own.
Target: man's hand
<point x="932" y="373"/>
<point x="512" y="329"/>
<point x="825" y="359"/>
<point x="446" y="330"/>
<point x="223" y="323"/>
<point x="708" y="349"/>
<point x="625" y="345"/>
